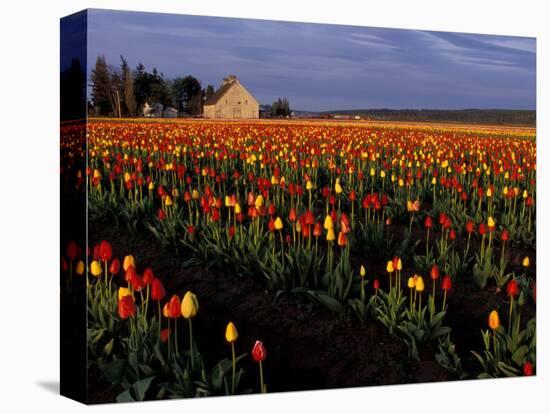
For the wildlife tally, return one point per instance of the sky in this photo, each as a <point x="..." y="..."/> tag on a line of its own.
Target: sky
<point x="322" y="67"/>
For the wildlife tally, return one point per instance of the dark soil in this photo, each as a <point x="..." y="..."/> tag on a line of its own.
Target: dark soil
<point x="308" y="346"/>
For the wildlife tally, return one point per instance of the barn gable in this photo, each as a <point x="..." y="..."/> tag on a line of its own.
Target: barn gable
<point x="231" y="100"/>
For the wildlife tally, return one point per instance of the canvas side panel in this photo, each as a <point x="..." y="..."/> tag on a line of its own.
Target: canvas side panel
<point x="73" y="231"/>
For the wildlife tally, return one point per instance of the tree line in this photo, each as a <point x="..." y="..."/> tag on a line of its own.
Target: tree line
<point x="121" y="91"/>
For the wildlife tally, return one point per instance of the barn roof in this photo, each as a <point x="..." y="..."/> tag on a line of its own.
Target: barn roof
<point x="214" y="99"/>
<point x="222" y="90"/>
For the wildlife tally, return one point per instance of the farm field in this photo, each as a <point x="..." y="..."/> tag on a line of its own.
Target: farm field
<point x="230" y="257"/>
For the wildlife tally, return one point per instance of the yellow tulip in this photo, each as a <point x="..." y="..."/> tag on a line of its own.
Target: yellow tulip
<point x="362" y="271"/>
<point x="128" y="261"/>
<point x="189" y="305"/>
<point x="494" y="320"/>
<point x="489" y="193"/>
<point x="382" y="174"/>
<point x="526" y="262"/>
<point x="399" y="264"/>
<point x="491" y="222"/>
<point x="95" y="268"/>
<point x="231" y="333"/>
<point x="278" y="223"/>
<point x="168" y="200"/>
<point x="338" y="187"/>
<point x="195" y="194"/>
<point x="122" y="291"/>
<point x="227" y="201"/>
<point x="309" y="185"/>
<point x="525" y="194"/>
<point x="330" y="234"/>
<point x="259" y="201"/>
<point x="389" y="267"/>
<point x="238" y="209"/>
<point x="328" y="224"/>
<point x="151" y="186"/>
<point x="79" y="268"/>
<point x="505" y="190"/>
<point x="419" y="285"/>
<point x="411" y="282"/>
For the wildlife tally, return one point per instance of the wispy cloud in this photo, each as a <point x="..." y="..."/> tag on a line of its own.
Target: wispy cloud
<point x="326" y="66"/>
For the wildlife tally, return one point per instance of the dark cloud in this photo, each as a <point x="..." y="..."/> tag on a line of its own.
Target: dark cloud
<point x="322" y="67"/>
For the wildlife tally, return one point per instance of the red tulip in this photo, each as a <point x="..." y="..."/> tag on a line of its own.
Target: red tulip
<point x="527" y="369"/>
<point x="512" y="289"/>
<point x="148" y="276"/>
<point x="137" y="283"/>
<point x="130" y="274"/>
<point x="434" y="272"/>
<point x="376" y="284"/>
<point x="452" y="234"/>
<point x="114" y="268"/>
<point x="259" y="352"/>
<point x="174" y="307"/>
<point x="165" y="334"/>
<point x="317" y="229"/>
<point x="157" y="290"/>
<point x="64" y="266"/>
<point x="292" y="215"/>
<point x="428" y="222"/>
<point x="342" y="240"/>
<point x="446" y="283"/>
<point x="482" y="228"/>
<point x="105" y="251"/>
<point x="505" y="235"/>
<point x="470" y="226"/>
<point x="72" y="250"/>
<point x="161" y="214"/>
<point x="126" y="307"/>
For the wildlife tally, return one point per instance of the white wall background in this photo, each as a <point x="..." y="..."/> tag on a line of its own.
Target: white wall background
<point x="29" y="220"/>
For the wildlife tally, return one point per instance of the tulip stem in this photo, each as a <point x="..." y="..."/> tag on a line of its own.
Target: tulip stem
<point x="444" y="299"/>
<point x="262" y="386"/>
<point x="233" y="368"/>
<point x="191" y="345"/>
<point x="176" y="336"/>
<point x="510" y="315"/>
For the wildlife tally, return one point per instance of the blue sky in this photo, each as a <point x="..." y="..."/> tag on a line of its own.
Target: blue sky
<point x="325" y="67"/>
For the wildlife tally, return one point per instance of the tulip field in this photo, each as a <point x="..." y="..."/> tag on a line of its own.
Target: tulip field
<point x="234" y="257"/>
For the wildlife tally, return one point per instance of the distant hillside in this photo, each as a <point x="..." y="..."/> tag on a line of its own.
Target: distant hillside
<point x="474" y="116"/>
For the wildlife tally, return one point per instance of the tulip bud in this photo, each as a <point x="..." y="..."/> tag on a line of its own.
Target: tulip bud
<point x="114" y="268"/>
<point x="259" y="352"/>
<point x="122" y="291"/>
<point x="128" y="261"/>
<point x="330" y="234"/>
<point x="80" y="268"/>
<point x="126" y="307"/>
<point x="157" y="290"/>
<point x="419" y="285"/>
<point x="328" y="224"/>
<point x="446" y="283"/>
<point x="411" y="283"/>
<point x="189" y="305"/>
<point x="95" y="268"/>
<point x="362" y="271"/>
<point x="231" y="333"/>
<point x="376" y="284"/>
<point x="494" y="320"/>
<point x="527" y="369"/>
<point x="526" y="262"/>
<point x="389" y="267"/>
<point x="512" y="288"/>
<point x="434" y="272"/>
